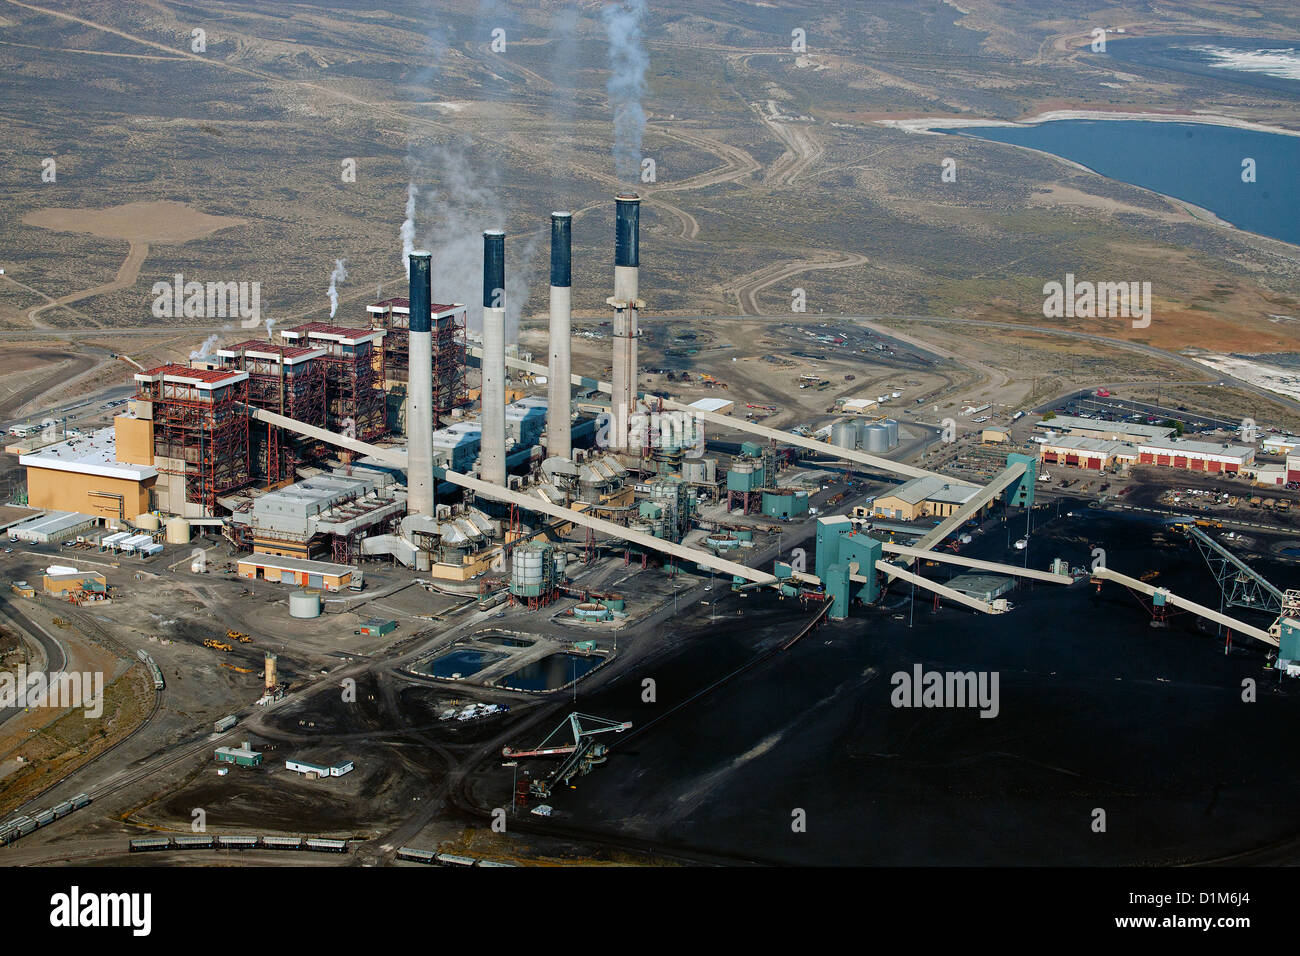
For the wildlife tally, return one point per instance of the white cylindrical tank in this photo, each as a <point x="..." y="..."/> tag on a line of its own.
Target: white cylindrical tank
<point x="876" y="438"/>
<point x="526" y="566"/>
<point x="844" y="435"/>
<point x="304" y="604"/>
<point x="710" y="469"/>
<point x="693" y="470"/>
<point x="178" y="531"/>
<point x="892" y="425"/>
<point x="148" y="521"/>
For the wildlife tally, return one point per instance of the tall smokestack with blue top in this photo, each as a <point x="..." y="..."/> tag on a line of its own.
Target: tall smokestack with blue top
<point x="559" y="417"/>
<point x="627" y="264"/>
<point x="419" y="402"/>
<point x="492" y="452"/>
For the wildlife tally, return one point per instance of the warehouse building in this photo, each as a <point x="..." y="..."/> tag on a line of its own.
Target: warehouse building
<point x="52" y="527"/>
<point x="1105" y="431"/>
<point x="1092" y="453"/>
<point x="1196" y="455"/>
<point x="308" y="574"/>
<point x="929" y="496"/>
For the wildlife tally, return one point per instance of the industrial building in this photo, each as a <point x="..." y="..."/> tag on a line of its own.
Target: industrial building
<point x="923" y="498"/>
<point x="354" y="395"/>
<point x="52" y="527"/>
<point x="846" y="559"/>
<point x="64" y="582"/>
<point x="447" y="353"/>
<point x="310" y="574"/>
<point x="240" y="756"/>
<point x="982" y="587"/>
<point x="314" y="771"/>
<point x="200" y="428"/>
<point x="1093" y="453"/>
<point x="1196" y="455"/>
<point x="288" y="380"/>
<point x="108" y="474"/>
<point x="1105" y="431"/>
<point x="325" y="515"/>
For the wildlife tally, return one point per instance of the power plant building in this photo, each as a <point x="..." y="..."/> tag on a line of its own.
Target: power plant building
<point x="200" y="434"/>
<point x="288" y="380"/>
<point x="108" y="474"/>
<point x="354" y="396"/>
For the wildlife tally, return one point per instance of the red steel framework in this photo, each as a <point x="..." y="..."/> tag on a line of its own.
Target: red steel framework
<point x="354" y="394"/>
<point x="288" y="380"/>
<point x="200" y="418"/>
<point x="450" y="388"/>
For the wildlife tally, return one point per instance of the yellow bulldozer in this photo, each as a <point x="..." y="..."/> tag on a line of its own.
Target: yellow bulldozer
<point x="218" y="645"/>
<point x="238" y="636"/>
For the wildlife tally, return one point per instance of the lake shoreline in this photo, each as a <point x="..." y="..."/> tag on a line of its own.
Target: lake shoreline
<point x="934" y="125"/>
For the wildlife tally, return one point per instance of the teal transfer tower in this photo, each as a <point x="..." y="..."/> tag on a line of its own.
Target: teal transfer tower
<point x="841" y="542"/>
<point x="1021" y="491"/>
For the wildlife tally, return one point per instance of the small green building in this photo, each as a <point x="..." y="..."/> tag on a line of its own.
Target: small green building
<point x="240" y="756"/>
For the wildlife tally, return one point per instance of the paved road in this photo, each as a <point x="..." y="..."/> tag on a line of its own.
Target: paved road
<point x="56" y="659"/>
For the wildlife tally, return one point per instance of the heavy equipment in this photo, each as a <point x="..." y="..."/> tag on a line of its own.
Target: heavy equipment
<point x="580" y="755"/>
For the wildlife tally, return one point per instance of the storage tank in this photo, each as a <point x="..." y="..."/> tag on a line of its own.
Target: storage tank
<point x="304" y="604"/>
<point x="531" y="568"/>
<point x="178" y="531"/>
<point x="148" y="521"/>
<point x="844" y="435"/>
<point x="892" y="425"/>
<point x="710" y="469"/>
<point x="693" y="471"/>
<point x="876" y="438"/>
<point x="561" y="563"/>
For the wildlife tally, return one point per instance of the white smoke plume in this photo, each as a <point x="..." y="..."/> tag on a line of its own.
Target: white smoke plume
<point x="465" y="203"/>
<point x="269" y="324"/>
<point x="204" y="350"/>
<point x="626" y="86"/>
<point x="408" y="228"/>
<point x="339" y="274"/>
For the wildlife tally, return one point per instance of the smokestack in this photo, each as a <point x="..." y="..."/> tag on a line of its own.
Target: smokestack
<point x="492" y="453"/>
<point x="627" y="262"/>
<point x="559" y="425"/>
<point x="419" y="396"/>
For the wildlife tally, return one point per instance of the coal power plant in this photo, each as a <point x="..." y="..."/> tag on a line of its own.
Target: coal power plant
<point x="534" y="523"/>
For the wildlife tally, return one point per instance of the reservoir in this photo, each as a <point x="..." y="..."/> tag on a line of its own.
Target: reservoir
<point x="1195" y="162"/>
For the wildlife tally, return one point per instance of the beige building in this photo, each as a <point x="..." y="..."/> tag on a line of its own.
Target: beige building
<point x="930" y="496"/>
<point x="108" y="473"/>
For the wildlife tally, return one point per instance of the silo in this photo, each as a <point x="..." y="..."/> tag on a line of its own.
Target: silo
<point x="844" y="435"/>
<point x="529" y="570"/>
<point x="304" y="604"/>
<point x="710" y="470"/>
<point x="892" y="425"/>
<point x="178" y="531"/>
<point x="561" y="563"/>
<point x="148" y="521"/>
<point x="693" y="471"/>
<point x="876" y="438"/>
